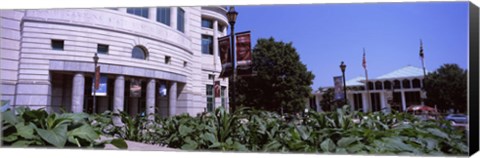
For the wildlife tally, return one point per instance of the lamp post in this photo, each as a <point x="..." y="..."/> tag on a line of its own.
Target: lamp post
<point x="232" y="17"/>
<point x="95" y="61"/>
<point x="343" y="67"/>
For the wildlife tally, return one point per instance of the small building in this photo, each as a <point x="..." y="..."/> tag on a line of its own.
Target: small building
<point x="397" y="90"/>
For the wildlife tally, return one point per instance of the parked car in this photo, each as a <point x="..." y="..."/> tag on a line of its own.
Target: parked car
<point x="457" y="118"/>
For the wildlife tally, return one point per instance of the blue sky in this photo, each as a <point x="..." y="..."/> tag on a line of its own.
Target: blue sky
<point x="326" y="34"/>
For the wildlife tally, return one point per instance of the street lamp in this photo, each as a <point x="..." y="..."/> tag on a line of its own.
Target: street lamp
<point x="95" y="61"/>
<point x="343" y="67"/>
<point x="232" y="17"/>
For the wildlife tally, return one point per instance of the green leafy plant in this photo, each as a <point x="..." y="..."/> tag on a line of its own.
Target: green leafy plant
<point x="25" y="127"/>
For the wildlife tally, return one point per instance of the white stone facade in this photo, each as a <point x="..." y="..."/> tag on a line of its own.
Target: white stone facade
<point x="35" y="75"/>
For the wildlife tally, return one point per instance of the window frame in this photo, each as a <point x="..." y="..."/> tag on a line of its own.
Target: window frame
<point x="54" y="43"/>
<point x="141" y="10"/>
<point x="210" y="44"/>
<point x="99" y="48"/>
<point x="210" y="97"/>
<point x="210" y="25"/>
<point x="164" y="12"/>
<point x="144" y="51"/>
<point x="181" y="20"/>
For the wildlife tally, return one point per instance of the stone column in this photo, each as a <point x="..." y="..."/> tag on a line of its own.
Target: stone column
<point x="404" y="103"/>
<point x="118" y="99"/>
<point x="383" y="101"/>
<point x="78" y="90"/>
<point x="365" y="102"/>
<point x="150" y="109"/>
<point x="172" y="93"/>
<point x="152" y="14"/>
<point x="173" y="17"/>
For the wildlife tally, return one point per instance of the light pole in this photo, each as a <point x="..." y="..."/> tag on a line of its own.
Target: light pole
<point x="232" y="17"/>
<point x="95" y="61"/>
<point x="343" y="67"/>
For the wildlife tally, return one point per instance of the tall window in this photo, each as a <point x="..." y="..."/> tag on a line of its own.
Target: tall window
<point x="388" y="84"/>
<point x="143" y="12"/>
<point x="139" y="53"/>
<point x="220" y="27"/>
<point x="416" y="83"/>
<point x="207" y="44"/>
<point x="181" y="20"/>
<point x="222" y="95"/>
<point x="375" y="101"/>
<point x="207" y="23"/>
<point x="210" y="98"/>
<point x="406" y="83"/>
<point x="163" y="15"/>
<point x="378" y="85"/>
<point x="357" y="101"/>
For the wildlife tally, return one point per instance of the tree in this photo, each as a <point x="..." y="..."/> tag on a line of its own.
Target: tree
<point x="282" y="82"/>
<point x="446" y="87"/>
<point x="328" y="101"/>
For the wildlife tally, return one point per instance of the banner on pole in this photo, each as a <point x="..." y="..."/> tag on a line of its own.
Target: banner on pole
<point x="217" y="89"/>
<point x="97" y="77"/>
<point x="338" y="87"/>
<point x="244" y="54"/>
<point x="135" y="88"/>
<point x="225" y="56"/>
<point x="101" y="84"/>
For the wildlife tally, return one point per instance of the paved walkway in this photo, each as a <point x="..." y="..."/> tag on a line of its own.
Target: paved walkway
<point x="141" y="147"/>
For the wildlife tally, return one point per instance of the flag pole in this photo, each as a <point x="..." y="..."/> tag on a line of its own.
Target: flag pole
<point x="422" y="55"/>
<point x="364" y="63"/>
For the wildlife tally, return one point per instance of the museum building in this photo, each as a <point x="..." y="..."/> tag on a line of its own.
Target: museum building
<point x="160" y="60"/>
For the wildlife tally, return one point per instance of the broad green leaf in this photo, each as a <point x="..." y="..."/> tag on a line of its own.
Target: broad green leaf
<point x="25" y="131"/>
<point x="9" y="117"/>
<point x="56" y="136"/>
<point x="189" y="146"/>
<point x="85" y="132"/>
<point x="431" y="143"/>
<point x="355" y="148"/>
<point x="346" y="141"/>
<point x="184" y="130"/>
<point x="215" y="145"/>
<point x="119" y="143"/>
<point x="239" y="147"/>
<point x="22" y="143"/>
<point x="438" y="133"/>
<point x="10" y="138"/>
<point x="328" y="145"/>
<point x="272" y="146"/>
<point x="341" y="151"/>
<point x="209" y="137"/>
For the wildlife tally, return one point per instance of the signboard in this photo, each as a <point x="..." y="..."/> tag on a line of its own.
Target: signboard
<point x="338" y="87"/>
<point x="217" y="89"/>
<point x="244" y="54"/>
<point x="225" y="56"/>
<point x="135" y="88"/>
<point x="102" y="86"/>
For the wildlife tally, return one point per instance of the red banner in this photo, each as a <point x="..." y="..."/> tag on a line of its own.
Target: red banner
<point x="225" y="56"/>
<point x="97" y="77"/>
<point x="244" y="54"/>
<point x="217" y="89"/>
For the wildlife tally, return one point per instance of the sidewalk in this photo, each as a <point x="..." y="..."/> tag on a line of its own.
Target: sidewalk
<point x="136" y="146"/>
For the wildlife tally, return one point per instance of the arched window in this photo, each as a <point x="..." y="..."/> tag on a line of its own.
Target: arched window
<point x="139" y="52"/>
<point x="406" y="83"/>
<point x="387" y="85"/>
<point x="396" y="84"/>
<point x="378" y="85"/>
<point x="370" y="86"/>
<point x="416" y="83"/>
